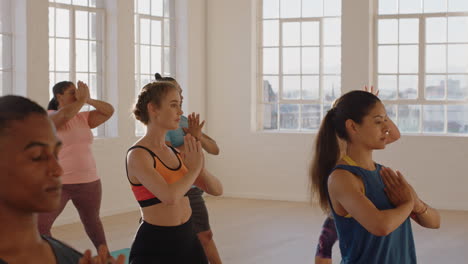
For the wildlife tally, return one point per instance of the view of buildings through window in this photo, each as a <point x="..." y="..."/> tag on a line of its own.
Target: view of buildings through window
<point x="422" y="64"/>
<point x="299" y="62"/>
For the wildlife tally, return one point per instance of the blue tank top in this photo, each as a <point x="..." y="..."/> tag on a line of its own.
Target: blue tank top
<point x="359" y="246"/>
<point x="176" y="136"/>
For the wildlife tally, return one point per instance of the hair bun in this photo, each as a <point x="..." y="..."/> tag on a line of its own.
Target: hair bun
<point x="158" y="76"/>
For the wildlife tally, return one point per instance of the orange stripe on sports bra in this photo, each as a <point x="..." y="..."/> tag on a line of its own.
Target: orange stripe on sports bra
<point x="171" y="175"/>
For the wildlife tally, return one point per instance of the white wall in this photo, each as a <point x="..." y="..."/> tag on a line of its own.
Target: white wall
<point x="275" y="166"/>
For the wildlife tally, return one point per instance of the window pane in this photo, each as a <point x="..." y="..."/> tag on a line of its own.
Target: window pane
<point x="408" y="86"/>
<point x="458" y="5"/>
<point x="433" y="118"/>
<point x="458" y="58"/>
<point x="291" y="60"/>
<point x="391" y="112"/>
<point x="291" y="87"/>
<point x="270" y="33"/>
<point x="145" y="31"/>
<point x="92" y="26"/>
<point x="167" y="32"/>
<point x="410" y="6"/>
<point x="435" y="87"/>
<point x="312" y="8"/>
<point x="388" y="31"/>
<point x="332" y="7"/>
<point x="63" y="1"/>
<point x="270" y="116"/>
<point x="144" y="7"/>
<point x="93" y="47"/>
<point x="51" y="54"/>
<point x="62" y="52"/>
<point x="310" y="87"/>
<point x="81" y="25"/>
<point x="145" y="59"/>
<point x="84" y="78"/>
<point x="436" y="29"/>
<point x="332" y="31"/>
<point x="289" y="116"/>
<point x="292" y="34"/>
<point x="457" y="87"/>
<point x="157" y="8"/>
<point x="63" y="22"/>
<point x="62" y="76"/>
<point x="5" y="82"/>
<point x="409" y="59"/>
<point x="51" y="84"/>
<point x="290" y="8"/>
<point x="458" y="29"/>
<point x="311" y="116"/>
<point x="388" y="87"/>
<point x="436" y="59"/>
<point x="270" y="8"/>
<point x="332" y="60"/>
<point x="408" y="118"/>
<point x="156" y="60"/>
<point x="270" y="61"/>
<point x="388" y="7"/>
<point x="5" y="52"/>
<point x="457" y="118"/>
<point x="270" y="88"/>
<point x="409" y="30"/>
<point x="167" y="61"/>
<point x="156" y="32"/>
<point x="310" y="33"/>
<point x="51" y="21"/>
<point x="388" y="59"/>
<point x="331" y="88"/>
<point x="435" y="6"/>
<point x="94" y="85"/>
<point x="82" y="55"/>
<point x="80" y="2"/>
<point x="167" y="8"/>
<point x="310" y="60"/>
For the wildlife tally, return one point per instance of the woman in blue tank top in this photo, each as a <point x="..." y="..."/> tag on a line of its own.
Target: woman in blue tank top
<point x="371" y="204"/>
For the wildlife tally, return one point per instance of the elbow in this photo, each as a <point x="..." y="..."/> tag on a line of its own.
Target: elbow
<point x="218" y="192"/>
<point x="381" y="231"/>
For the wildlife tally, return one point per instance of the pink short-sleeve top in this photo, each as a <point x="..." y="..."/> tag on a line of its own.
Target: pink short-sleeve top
<point x="76" y="157"/>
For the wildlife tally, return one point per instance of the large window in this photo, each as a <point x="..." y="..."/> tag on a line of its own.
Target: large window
<point x="422" y="64"/>
<point x="299" y="62"/>
<point x="154" y="43"/>
<point x="76" y="43"/>
<point x="6" y="47"/>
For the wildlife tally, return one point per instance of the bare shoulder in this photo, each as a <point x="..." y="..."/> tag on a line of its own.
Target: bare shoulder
<point x="341" y="179"/>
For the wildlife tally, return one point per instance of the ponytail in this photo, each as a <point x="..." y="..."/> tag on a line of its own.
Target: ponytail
<point x="53" y="104"/>
<point x="353" y="105"/>
<point x="327" y="153"/>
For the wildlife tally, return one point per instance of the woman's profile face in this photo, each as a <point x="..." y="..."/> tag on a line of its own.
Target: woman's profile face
<point x="68" y="96"/>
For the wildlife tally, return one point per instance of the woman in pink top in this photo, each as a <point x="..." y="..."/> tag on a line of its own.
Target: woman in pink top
<point x="80" y="181"/>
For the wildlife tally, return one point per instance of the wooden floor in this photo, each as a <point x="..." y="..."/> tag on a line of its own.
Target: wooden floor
<point x="271" y="232"/>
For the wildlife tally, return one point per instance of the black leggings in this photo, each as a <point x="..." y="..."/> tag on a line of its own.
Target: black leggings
<point x="167" y="245"/>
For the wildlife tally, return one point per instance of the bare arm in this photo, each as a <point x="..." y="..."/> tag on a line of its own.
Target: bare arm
<point x="393" y="132"/>
<point x="345" y="192"/>
<point x="209" y="145"/>
<point x="209" y="183"/>
<point x="140" y="166"/>
<point x="102" y="113"/>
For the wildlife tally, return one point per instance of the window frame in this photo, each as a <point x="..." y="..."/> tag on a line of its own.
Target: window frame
<point x="260" y="103"/>
<point x="101" y="43"/>
<point x="420" y="101"/>
<point x="9" y="53"/>
<point x="138" y="17"/>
